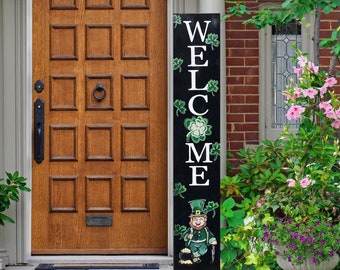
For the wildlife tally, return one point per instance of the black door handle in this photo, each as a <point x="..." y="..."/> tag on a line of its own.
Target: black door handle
<point x="39" y="130"/>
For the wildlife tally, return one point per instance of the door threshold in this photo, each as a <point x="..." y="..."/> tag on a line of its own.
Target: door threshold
<point x="97" y="266"/>
<point x="163" y="262"/>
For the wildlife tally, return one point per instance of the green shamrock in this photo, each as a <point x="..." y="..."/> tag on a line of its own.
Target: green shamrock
<point x="212" y="39"/>
<point x="180" y="106"/>
<point x="212" y="87"/>
<point x="179" y="230"/>
<point x="179" y="190"/>
<point x="215" y="150"/>
<point x="211" y="206"/>
<point x="177" y="20"/>
<point x="177" y="62"/>
<point x="198" y="129"/>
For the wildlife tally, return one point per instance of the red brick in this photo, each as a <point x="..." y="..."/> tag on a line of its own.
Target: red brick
<point x="253" y="80"/>
<point x="244" y="89"/>
<point x="235" y="43"/>
<point x="235" y="136"/>
<point x="235" y="61"/>
<point x="252" y="118"/>
<point x="246" y="127"/>
<point x="251" y="61"/>
<point x="252" y="43"/>
<point x="244" y="71"/>
<point x="252" y="99"/>
<point x="235" y="118"/>
<point x="243" y="52"/>
<point x="235" y="80"/>
<point x="233" y="25"/>
<point x="252" y="136"/>
<point x="236" y="145"/>
<point x="242" y="34"/>
<point x="235" y="99"/>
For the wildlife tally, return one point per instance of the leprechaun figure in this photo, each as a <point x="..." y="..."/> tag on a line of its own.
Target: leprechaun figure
<point x="198" y="237"/>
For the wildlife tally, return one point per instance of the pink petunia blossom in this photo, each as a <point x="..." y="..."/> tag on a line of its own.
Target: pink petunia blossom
<point x="305" y="182"/>
<point x="336" y="124"/>
<point x="310" y="92"/>
<point x="330" y="114"/>
<point x="297" y="92"/>
<point x="326" y="105"/>
<point x="297" y="71"/>
<point x="313" y="68"/>
<point x="294" y="112"/>
<point x="323" y="90"/>
<point x="329" y="82"/>
<point x="302" y="61"/>
<point x="291" y="182"/>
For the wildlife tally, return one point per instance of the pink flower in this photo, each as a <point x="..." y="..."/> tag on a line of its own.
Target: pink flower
<point x="329" y="82"/>
<point x="313" y="68"/>
<point x="305" y="182"/>
<point x="291" y="182"/>
<point x="297" y="92"/>
<point x="259" y="204"/>
<point x="297" y="71"/>
<point x="330" y="114"/>
<point x="326" y="105"/>
<point x="336" y="124"/>
<point x="310" y="92"/>
<point x="323" y="90"/>
<point x="302" y="61"/>
<point x="294" y="112"/>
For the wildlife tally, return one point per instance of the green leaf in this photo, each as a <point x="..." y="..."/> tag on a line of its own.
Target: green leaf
<point x="252" y="258"/>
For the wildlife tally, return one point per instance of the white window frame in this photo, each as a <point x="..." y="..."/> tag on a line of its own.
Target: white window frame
<point x="265" y="74"/>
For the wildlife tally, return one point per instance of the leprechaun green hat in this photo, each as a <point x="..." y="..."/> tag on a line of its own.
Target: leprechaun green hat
<point x="197" y="208"/>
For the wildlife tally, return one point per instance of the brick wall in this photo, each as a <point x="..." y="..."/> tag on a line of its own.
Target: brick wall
<point x="242" y="75"/>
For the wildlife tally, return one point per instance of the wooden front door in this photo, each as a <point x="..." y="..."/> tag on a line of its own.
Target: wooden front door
<point x="101" y="187"/>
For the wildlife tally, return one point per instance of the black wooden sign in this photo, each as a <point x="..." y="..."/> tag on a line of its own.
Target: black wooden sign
<point x="196" y="69"/>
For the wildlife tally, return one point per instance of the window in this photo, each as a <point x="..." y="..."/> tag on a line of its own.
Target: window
<point x="276" y="69"/>
<point x="282" y="39"/>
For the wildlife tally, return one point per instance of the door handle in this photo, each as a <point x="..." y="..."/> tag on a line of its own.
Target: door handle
<point x="39" y="130"/>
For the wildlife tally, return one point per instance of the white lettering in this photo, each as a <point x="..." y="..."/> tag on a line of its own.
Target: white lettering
<point x="193" y="49"/>
<point x="197" y="28"/>
<point x="195" y="176"/>
<point x="193" y="81"/>
<point x="191" y="104"/>
<point x="206" y="150"/>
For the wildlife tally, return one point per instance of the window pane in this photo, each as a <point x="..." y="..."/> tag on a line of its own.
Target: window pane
<point x="283" y="37"/>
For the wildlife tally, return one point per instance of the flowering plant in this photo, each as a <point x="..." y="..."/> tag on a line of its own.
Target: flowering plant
<point x="291" y="187"/>
<point x="301" y="205"/>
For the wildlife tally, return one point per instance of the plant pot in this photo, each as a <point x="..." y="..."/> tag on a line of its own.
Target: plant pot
<point x="329" y="264"/>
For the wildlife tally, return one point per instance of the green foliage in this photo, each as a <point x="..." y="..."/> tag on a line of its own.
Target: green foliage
<point x="287" y="11"/>
<point x="292" y="182"/>
<point x="9" y="192"/>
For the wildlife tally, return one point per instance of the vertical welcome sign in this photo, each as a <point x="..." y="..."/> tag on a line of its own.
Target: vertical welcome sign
<point x="196" y="69"/>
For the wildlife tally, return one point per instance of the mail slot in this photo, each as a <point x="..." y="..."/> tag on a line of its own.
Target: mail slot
<point x="99" y="221"/>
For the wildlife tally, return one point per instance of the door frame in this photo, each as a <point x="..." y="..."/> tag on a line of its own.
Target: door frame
<point x="16" y="99"/>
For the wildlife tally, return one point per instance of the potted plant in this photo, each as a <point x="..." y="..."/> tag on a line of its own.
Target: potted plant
<point x="9" y="192"/>
<point x="291" y="187"/>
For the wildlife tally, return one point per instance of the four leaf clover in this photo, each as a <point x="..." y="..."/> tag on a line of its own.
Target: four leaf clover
<point x="212" y="87"/>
